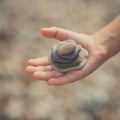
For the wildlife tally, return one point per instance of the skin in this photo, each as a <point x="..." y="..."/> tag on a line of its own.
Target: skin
<point x="101" y="46"/>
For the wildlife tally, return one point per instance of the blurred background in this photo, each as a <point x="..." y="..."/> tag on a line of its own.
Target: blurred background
<point x="97" y="97"/>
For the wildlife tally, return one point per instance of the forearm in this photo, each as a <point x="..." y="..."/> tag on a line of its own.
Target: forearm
<point x="109" y="37"/>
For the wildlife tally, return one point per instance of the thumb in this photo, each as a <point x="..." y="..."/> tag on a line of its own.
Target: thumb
<point x="60" y="34"/>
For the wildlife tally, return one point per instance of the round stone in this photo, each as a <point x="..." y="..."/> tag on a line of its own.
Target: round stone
<point x="66" y="48"/>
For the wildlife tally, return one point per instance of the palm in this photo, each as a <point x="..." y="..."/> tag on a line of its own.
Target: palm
<point x="39" y="68"/>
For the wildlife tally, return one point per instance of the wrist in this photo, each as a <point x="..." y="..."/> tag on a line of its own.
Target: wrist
<point x="109" y="37"/>
<point x="109" y="43"/>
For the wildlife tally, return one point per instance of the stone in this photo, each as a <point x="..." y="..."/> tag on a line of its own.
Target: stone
<point x="64" y="49"/>
<point x="67" y="56"/>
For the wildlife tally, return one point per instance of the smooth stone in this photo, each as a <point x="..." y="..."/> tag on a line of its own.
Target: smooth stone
<point x="82" y="56"/>
<point x="58" y="58"/>
<point x="72" y="54"/>
<point x="65" y="58"/>
<point x="85" y="56"/>
<point x="74" y="62"/>
<point x="66" y="47"/>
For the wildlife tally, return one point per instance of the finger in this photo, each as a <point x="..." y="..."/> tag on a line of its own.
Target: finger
<point x="40" y="75"/>
<point x="32" y="69"/>
<point x="59" y="33"/>
<point x="38" y="61"/>
<point x="68" y="78"/>
<point x="77" y="74"/>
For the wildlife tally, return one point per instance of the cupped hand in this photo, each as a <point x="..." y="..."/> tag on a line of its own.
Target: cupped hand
<point x="40" y="69"/>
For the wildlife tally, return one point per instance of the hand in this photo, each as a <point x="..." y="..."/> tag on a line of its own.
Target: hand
<point x="40" y="69"/>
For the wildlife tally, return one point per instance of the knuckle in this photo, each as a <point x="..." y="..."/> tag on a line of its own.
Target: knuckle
<point x="35" y="76"/>
<point x="101" y="53"/>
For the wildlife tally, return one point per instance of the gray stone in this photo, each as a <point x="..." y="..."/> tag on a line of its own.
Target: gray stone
<point x="67" y="56"/>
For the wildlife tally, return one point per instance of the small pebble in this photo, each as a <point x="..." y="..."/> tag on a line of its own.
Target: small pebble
<point x="64" y="49"/>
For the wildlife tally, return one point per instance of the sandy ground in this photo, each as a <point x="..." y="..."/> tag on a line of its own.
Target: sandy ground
<point x="96" y="97"/>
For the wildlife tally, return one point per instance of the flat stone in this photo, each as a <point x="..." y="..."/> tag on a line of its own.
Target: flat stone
<point x="72" y="54"/>
<point x="59" y="59"/>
